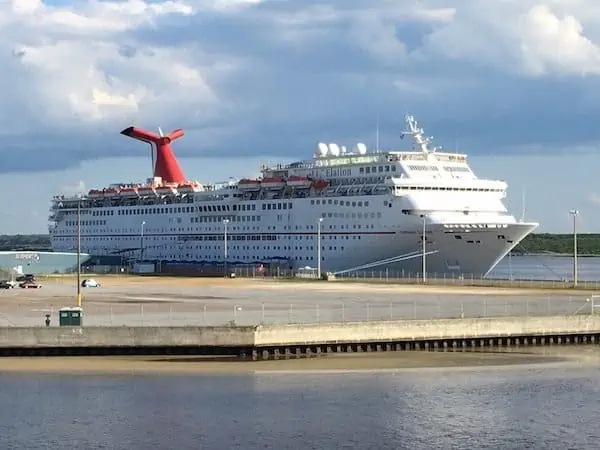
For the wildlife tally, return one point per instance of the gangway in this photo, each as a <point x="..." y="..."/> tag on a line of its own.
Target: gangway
<point x="383" y="262"/>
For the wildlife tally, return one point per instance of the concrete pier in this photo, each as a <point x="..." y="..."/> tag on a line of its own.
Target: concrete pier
<point x="303" y="340"/>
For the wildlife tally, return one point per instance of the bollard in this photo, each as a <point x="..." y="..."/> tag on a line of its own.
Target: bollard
<point x="47" y="321"/>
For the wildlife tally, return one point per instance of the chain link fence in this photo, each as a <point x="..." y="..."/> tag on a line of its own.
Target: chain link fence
<point x="249" y="313"/>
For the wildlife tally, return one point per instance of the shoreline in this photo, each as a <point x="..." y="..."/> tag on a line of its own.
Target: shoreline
<point x="375" y="362"/>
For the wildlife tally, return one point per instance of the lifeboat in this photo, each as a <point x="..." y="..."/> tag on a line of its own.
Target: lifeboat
<point x="320" y="184"/>
<point x="95" y="193"/>
<point x="186" y="188"/>
<point x="249" y="185"/>
<point x="166" y="190"/>
<point x="111" y="191"/>
<point x="147" y="190"/>
<point x="298" y="182"/>
<point x="129" y="191"/>
<point x="273" y="183"/>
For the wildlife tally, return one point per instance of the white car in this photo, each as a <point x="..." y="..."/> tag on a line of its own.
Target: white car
<point x="90" y="282"/>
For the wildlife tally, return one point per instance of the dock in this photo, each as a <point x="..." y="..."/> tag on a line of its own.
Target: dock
<point x="263" y="342"/>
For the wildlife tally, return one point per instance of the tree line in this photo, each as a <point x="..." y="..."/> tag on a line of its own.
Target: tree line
<point x="588" y="244"/>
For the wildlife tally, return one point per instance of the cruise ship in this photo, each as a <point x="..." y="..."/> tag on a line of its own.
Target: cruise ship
<point x="417" y="210"/>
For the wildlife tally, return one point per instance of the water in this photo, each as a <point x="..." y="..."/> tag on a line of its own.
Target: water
<point x="547" y="268"/>
<point x="522" y="407"/>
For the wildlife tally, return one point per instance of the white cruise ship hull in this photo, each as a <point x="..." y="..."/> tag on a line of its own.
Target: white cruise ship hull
<point x="370" y="210"/>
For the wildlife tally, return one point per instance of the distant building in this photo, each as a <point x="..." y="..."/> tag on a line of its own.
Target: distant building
<point x="40" y="262"/>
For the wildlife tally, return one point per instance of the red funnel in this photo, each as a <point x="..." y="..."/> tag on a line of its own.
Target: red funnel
<point x="166" y="165"/>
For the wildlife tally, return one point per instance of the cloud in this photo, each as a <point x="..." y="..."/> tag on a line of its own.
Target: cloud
<point x="246" y="77"/>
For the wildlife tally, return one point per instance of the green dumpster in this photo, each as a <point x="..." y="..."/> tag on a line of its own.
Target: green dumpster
<point x="70" y="316"/>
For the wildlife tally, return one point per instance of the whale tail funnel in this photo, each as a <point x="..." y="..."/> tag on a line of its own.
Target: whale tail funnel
<point x="166" y="166"/>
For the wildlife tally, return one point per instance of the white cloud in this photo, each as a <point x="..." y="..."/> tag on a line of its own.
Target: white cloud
<point x="255" y="76"/>
<point x="523" y="36"/>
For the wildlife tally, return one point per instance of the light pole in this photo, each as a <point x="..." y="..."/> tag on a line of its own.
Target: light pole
<point x="142" y="240"/>
<point x="225" y="222"/>
<point x="79" y="251"/>
<point x="319" y="222"/>
<point x="424" y="249"/>
<point x="574" y="213"/>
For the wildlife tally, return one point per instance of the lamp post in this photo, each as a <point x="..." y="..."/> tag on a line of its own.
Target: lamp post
<point x="424" y="249"/>
<point x="142" y="240"/>
<point x="79" y="251"/>
<point x="225" y="222"/>
<point x="574" y="213"/>
<point x="319" y="221"/>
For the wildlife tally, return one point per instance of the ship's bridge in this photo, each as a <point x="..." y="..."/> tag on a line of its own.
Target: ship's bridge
<point x="483" y="196"/>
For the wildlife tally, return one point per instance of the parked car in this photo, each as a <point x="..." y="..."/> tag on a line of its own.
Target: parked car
<point x="7" y="284"/>
<point x="26" y="277"/>
<point x="30" y="285"/>
<point x="90" y="282"/>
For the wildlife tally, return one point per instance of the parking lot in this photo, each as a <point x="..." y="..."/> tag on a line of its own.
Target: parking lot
<point x="139" y="301"/>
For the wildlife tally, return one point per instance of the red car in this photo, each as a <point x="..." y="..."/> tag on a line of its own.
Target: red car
<point x="30" y="285"/>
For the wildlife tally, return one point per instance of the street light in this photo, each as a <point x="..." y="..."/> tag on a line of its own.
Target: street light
<point x="574" y="213"/>
<point x="319" y="221"/>
<point x="225" y="222"/>
<point x="142" y="240"/>
<point x="79" y="250"/>
<point x="424" y="249"/>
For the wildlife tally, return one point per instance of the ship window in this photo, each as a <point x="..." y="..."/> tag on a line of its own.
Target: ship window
<point x="381" y="168"/>
<point x="368" y="169"/>
<point x="393" y="168"/>
<point x="285" y="206"/>
<point x="278" y="205"/>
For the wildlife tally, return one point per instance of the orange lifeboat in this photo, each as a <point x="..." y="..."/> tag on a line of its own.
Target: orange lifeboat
<point x="273" y="183"/>
<point x="129" y="191"/>
<point x="166" y="190"/>
<point x="147" y="190"/>
<point x="95" y="193"/>
<point x="298" y="182"/>
<point x="320" y="184"/>
<point x="186" y="188"/>
<point x="249" y="184"/>
<point x="111" y="191"/>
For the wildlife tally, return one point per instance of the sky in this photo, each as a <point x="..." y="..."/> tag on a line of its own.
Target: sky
<point x="515" y="84"/>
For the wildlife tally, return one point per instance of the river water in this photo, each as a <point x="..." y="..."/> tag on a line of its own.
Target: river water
<point x="544" y="407"/>
<point x="542" y="267"/>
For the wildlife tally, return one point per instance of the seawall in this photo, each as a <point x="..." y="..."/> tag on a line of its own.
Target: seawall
<point x="300" y="340"/>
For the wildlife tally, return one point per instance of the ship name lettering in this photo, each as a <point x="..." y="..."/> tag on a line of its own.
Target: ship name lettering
<point x="331" y="172"/>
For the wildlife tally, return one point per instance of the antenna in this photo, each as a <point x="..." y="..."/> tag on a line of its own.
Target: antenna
<point x="377" y="134"/>
<point x="523" y="206"/>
